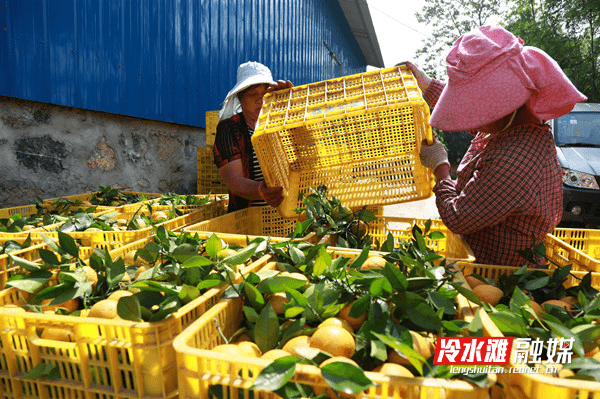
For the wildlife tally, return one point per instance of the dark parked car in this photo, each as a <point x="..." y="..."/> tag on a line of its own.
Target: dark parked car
<point x="577" y="137"/>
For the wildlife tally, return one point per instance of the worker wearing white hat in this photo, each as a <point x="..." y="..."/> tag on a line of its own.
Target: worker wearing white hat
<point x="233" y="151"/>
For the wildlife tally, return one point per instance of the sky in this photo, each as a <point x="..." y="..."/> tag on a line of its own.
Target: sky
<point x="398" y="32"/>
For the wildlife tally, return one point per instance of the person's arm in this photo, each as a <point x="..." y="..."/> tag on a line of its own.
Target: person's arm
<point x="233" y="176"/>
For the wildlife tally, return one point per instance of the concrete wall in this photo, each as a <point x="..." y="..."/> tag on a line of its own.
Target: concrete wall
<point x="52" y="151"/>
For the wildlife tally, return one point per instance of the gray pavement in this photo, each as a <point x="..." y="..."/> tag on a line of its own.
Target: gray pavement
<point x="422" y="209"/>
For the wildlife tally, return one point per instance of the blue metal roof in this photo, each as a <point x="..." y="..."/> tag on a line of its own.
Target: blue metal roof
<point x="169" y="60"/>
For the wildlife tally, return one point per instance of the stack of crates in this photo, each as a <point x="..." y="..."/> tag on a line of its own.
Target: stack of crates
<point x="209" y="178"/>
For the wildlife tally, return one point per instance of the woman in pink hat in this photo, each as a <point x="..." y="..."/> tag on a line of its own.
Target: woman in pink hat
<point x="233" y="151"/>
<point x="508" y="192"/>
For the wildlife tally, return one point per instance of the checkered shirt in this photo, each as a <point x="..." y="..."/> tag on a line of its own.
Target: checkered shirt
<point x="507" y="194"/>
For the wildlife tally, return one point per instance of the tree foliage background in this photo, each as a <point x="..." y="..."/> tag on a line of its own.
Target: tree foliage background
<point x="568" y="30"/>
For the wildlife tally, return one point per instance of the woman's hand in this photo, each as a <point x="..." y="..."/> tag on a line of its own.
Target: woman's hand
<point x="423" y="80"/>
<point x="271" y="195"/>
<point x="279" y="85"/>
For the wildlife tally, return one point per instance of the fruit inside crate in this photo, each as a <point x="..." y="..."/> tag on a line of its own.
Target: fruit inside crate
<point x="204" y="370"/>
<point x="524" y="383"/>
<point x="360" y="135"/>
<point x="91" y="355"/>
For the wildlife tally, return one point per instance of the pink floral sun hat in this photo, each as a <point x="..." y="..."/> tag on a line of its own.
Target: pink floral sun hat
<point x="491" y="74"/>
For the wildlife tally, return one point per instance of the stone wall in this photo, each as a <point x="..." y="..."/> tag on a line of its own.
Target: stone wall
<point x="51" y="151"/>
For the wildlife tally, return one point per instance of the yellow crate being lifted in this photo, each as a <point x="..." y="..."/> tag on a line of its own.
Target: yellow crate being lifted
<point x="359" y="135"/>
<point x="585" y="240"/>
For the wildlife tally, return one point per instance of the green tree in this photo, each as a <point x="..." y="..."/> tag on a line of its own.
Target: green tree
<point x="450" y="19"/>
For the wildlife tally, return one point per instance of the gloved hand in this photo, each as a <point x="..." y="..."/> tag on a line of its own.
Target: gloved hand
<point x="433" y="155"/>
<point x="271" y="195"/>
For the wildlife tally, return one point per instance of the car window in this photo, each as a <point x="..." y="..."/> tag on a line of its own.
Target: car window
<point x="578" y="128"/>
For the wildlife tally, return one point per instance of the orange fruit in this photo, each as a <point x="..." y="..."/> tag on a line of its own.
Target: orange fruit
<point x="342" y="213"/>
<point x="274" y="354"/>
<point x="228" y="349"/>
<point x="359" y="228"/>
<point x="277" y="300"/>
<point x="301" y="341"/>
<point x="104" y="309"/>
<point x="336" y="321"/>
<point x="119" y="294"/>
<point x="536" y="307"/>
<point x="557" y="302"/>
<point x="91" y="275"/>
<point x="129" y="258"/>
<point x="302" y="216"/>
<point x="248" y="348"/>
<point x="569" y="299"/>
<point x="338" y="359"/>
<point x="159" y="216"/>
<point x="355" y="322"/>
<point x="488" y="294"/>
<point x="473" y="282"/>
<point x="224" y="253"/>
<point x="58" y="334"/>
<point x="333" y="340"/>
<point x="394" y="370"/>
<point x="373" y="262"/>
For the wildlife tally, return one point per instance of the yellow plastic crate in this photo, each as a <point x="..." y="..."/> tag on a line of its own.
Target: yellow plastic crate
<point x="585" y="240"/>
<point x="6" y="213"/>
<point x="561" y="253"/>
<point x="212" y="120"/>
<point x="99" y="208"/>
<point x="360" y="135"/>
<point x="110" y="240"/>
<point x="106" y="359"/>
<point x="523" y="385"/>
<point x="209" y="179"/>
<point x="199" y="367"/>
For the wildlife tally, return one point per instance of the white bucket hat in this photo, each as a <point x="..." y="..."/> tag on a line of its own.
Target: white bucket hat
<point x="248" y="74"/>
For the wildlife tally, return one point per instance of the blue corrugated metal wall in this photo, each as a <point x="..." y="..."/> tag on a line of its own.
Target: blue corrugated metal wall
<point x="169" y="60"/>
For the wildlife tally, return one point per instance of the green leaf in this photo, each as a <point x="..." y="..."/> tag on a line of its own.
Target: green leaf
<point x="276" y="374"/>
<point x="279" y="284"/>
<point x="251" y="314"/>
<point x="48" y="257"/>
<point x="322" y="262"/>
<point x="297" y="256"/>
<point x="419" y="283"/>
<point x="128" y="308"/>
<point x="31" y="282"/>
<point x="442" y="302"/>
<point x="539" y="282"/>
<point x="242" y="255"/>
<point x="268" y="328"/>
<point x="425" y="317"/>
<point x="42" y="370"/>
<point x="395" y="277"/>
<point x="476" y="326"/>
<point x="24" y="263"/>
<point x="415" y="358"/>
<point x="346" y="377"/>
<point x="467" y="293"/>
<point x="509" y="323"/>
<point x="565" y="332"/>
<point x="68" y="244"/>
<point x="50" y="243"/>
<point x="380" y="287"/>
<point x="254" y="296"/>
<point x="197" y="261"/>
<point x="518" y="300"/>
<point x="116" y="271"/>
<point x="213" y="246"/>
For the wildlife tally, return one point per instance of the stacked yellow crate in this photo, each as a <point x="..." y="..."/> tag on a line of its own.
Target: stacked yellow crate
<point x="209" y="178"/>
